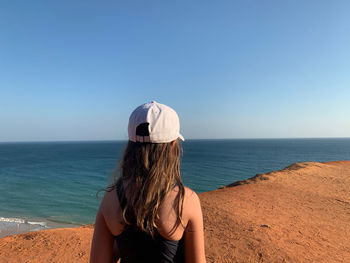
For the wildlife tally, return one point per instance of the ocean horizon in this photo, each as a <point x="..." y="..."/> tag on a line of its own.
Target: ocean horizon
<point x="54" y="184"/>
<point x="186" y="139"/>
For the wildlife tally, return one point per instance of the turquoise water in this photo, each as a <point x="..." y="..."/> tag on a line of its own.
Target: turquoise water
<point x="52" y="184"/>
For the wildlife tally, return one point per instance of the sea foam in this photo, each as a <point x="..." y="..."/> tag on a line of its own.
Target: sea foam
<point x="13" y="225"/>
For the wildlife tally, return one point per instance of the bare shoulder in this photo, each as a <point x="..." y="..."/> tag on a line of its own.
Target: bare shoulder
<point x="109" y="200"/>
<point x="189" y="193"/>
<point x="191" y="196"/>
<point x="192" y="206"/>
<point x="111" y="211"/>
<point x="168" y="213"/>
<point x="169" y="205"/>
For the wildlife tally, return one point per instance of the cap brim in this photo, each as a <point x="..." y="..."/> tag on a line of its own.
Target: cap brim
<point x="181" y="137"/>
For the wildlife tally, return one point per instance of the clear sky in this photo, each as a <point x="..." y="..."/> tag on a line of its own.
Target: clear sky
<point x="74" y="70"/>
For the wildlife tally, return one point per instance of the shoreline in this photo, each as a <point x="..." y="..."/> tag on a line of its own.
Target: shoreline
<point x="22" y="225"/>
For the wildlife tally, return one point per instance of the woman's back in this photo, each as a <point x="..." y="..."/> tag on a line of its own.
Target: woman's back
<point x="168" y="224"/>
<point x="167" y="243"/>
<point x="169" y="232"/>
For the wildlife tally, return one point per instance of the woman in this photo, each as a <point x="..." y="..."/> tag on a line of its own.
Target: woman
<point x="148" y="215"/>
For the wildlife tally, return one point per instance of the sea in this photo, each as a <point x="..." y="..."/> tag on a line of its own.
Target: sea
<point x="60" y="184"/>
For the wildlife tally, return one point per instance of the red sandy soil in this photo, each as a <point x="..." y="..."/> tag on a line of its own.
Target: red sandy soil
<point x="298" y="214"/>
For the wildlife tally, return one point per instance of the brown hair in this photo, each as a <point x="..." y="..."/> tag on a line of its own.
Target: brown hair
<point x="148" y="172"/>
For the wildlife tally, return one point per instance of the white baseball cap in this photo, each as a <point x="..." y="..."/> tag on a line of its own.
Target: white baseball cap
<point x="154" y="122"/>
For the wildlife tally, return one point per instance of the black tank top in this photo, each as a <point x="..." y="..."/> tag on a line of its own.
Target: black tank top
<point x="136" y="246"/>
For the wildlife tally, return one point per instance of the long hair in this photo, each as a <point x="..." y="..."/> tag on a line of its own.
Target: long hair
<point x="148" y="172"/>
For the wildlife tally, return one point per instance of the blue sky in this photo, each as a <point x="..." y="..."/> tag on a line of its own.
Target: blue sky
<point x="74" y="70"/>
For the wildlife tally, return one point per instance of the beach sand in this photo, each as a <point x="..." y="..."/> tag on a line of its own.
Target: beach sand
<point x="298" y="214"/>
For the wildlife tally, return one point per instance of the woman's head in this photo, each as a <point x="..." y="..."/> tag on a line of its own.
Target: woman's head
<point x="154" y="122"/>
<point x="150" y="167"/>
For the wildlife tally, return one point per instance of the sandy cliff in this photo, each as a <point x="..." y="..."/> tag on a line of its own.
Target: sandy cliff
<point x="298" y="214"/>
